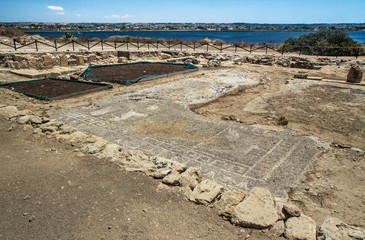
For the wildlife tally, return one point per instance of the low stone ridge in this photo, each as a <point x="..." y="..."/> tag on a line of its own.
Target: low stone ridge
<point x="335" y="229"/>
<point x="257" y="210"/>
<point x="302" y="227"/>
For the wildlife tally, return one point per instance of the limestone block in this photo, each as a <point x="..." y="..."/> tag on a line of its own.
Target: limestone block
<point x="229" y="200"/>
<point x="91" y="58"/>
<point x="333" y="229"/>
<point x="257" y="210"/>
<point x="165" y="56"/>
<point x="63" y="61"/>
<point x="206" y="192"/>
<point x="80" y="60"/>
<point x="355" y="75"/>
<point x="172" y="179"/>
<point x="302" y="227"/>
<point x="48" y="61"/>
<point x="191" y="178"/>
<point x="9" y="112"/>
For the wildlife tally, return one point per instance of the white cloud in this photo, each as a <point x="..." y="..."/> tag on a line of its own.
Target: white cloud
<point x="55" y="8"/>
<point x="77" y="14"/>
<point x="118" y="16"/>
<point x="60" y="13"/>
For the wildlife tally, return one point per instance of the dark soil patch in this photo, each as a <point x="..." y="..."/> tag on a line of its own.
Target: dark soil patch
<point x="126" y="72"/>
<point x="54" y="88"/>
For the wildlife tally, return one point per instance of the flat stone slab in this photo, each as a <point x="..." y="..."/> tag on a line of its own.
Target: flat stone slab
<point x="162" y="125"/>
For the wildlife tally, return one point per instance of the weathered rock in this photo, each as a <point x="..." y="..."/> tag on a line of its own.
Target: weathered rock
<point x="257" y="210"/>
<point x="278" y="228"/>
<point x="35" y="120"/>
<point x="23" y="119"/>
<point x="110" y="151"/>
<point x="95" y="147"/>
<point x="66" y="129"/>
<point x="9" y="112"/>
<point x="161" y="162"/>
<point x="161" y="173"/>
<point x="48" y="128"/>
<point x="228" y="201"/>
<point x="291" y="210"/>
<point x="303" y="228"/>
<point x="105" y="55"/>
<point x="165" y="56"/>
<point x="206" y="192"/>
<point x="48" y="61"/>
<point x="121" y="59"/>
<point x="91" y="58"/>
<point x="80" y="60"/>
<point x="63" y="61"/>
<point x="172" y="179"/>
<point x="191" y="178"/>
<point x="77" y="138"/>
<point x="335" y="229"/>
<point x="355" y="75"/>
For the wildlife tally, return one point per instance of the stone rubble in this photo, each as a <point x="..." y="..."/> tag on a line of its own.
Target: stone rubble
<point x="258" y="209"/>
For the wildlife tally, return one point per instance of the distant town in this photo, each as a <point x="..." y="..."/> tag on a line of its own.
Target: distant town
<point x="63" y="27"/>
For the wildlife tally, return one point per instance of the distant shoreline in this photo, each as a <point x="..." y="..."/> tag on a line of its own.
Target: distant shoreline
<point x="273" y="37"/>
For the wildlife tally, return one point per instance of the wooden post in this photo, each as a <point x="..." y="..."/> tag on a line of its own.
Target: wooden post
<point x="73" y="45"/>
<point x="157" y="44"/>
<point x="36" y="45"/>
<point x="221" y="47"/>
<point x="127" y="44"/>
<point x="250" y="48"/>
<point x="138" y="44"/>
<point x="115" y="44"/>
<point x="169" y="45"/>
<point x="357" y="52"/>
<point x="55" y="44"/>
<point x="194" y="46"/>
<point x="88" y="45"/>
<point x="266" y="49"/>
<point x="101" y="42"/>
<point x="181" y="46"/>
<point x="14" y="44"/>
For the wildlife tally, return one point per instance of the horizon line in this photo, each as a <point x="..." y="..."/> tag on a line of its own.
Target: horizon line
<point x="318" y="23"/>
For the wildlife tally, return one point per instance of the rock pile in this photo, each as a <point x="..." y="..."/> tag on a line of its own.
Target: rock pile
<point x="257" y="209"/>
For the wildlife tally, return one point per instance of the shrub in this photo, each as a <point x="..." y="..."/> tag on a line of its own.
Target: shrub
<point x="11" y="32"/>
<point x="205" y="41"/>
<point x="218" y="42"/>
<point x="326" y="42"/>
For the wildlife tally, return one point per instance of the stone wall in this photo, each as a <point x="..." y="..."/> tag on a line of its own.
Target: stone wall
<point x="41" y="61"/>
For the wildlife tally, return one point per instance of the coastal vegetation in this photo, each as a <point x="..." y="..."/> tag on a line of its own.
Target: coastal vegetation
<point x="10" y="32"/>
<point x="325" y="42"/>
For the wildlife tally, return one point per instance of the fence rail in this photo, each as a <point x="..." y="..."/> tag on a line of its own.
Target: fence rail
<point x="171" y="45"/>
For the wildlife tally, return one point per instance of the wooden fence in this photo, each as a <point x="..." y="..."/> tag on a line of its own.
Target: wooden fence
<point x="166" y="45"/>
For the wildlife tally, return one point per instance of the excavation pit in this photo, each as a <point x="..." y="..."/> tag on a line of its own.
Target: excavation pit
<point x="53" y="88"/>
<point x="131" y="73"/>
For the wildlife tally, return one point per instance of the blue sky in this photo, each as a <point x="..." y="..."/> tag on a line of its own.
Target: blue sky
<point x="223" y="11"/>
